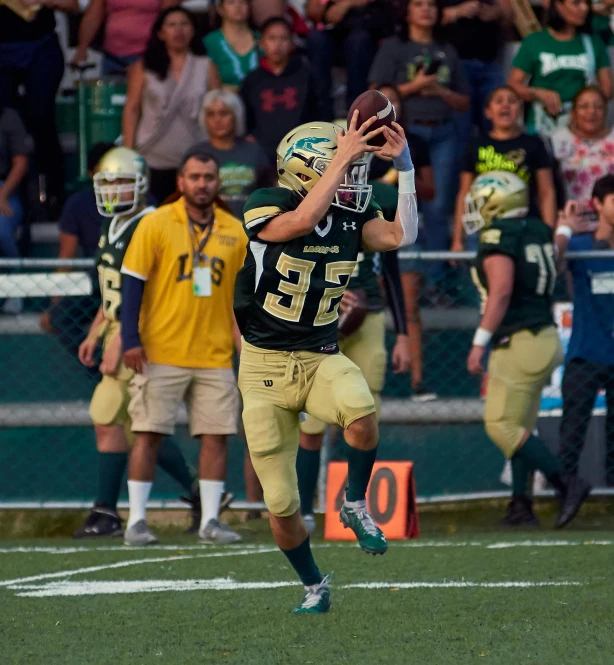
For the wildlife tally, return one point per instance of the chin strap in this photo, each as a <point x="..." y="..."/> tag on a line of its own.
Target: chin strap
<point x="407" y="207"/>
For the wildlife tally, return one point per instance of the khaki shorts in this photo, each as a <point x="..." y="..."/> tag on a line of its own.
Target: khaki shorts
<point x="211" y="398"/>
<point x="366" y="348"/>
<point x="517" y="374"/>
<point x="276" y="386"/>
<point x="109" y="405"/>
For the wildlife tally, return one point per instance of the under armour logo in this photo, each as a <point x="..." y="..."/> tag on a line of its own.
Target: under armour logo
<point x="268" y="383"/>
<point x="349" y="225"/>
<point x="270" y="100"/>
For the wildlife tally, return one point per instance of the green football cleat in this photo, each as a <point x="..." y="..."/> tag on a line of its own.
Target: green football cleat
<point x="355" y="516"/>
<point x="316" y="599"/>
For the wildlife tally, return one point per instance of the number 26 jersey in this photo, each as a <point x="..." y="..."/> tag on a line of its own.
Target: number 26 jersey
<point x="287" y="293"/>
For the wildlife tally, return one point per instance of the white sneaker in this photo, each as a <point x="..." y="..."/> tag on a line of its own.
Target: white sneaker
<point x="139" y="534"/>
<point x="310" y="523"/>
<point x="218" y="533"/>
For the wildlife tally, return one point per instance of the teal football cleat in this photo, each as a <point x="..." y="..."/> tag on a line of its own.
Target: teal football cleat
<point x="316" y="599"/>
<point x="354" y="515"/>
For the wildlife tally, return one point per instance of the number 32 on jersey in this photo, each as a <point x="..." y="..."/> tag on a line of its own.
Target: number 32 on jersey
<point x="298" y="290"/>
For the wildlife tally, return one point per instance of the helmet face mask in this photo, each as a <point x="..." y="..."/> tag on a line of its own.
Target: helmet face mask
<point x="494" y="195"/>
<point x="305" y="153"/>
<point x="120" y="182"/>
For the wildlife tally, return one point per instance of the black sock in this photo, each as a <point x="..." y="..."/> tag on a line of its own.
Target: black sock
<point x="520" y="477"/>
<point x="536" y="455"/>
<point x="301" y="559"/>
<point x="360" y="465"/>
<point x="307" y="470"/>
<point x="171" y="460"/>
<point x="111" y="468"/>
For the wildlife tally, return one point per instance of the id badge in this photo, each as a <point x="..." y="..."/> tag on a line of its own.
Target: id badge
<point x="201" y="282"/>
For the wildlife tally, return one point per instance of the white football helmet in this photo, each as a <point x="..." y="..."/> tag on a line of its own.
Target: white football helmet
<point x="120" y="182"/>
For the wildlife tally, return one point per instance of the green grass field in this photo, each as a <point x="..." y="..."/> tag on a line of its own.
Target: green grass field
<point x="463" y="593"/>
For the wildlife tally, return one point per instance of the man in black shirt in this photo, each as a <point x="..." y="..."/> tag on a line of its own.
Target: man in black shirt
<point x="474" y="28"/>
<point x="30" y="54"/>
<point x="279" y="95"/>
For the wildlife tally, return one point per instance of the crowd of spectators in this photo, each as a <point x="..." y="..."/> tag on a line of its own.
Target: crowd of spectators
<point x="240" y="76"/>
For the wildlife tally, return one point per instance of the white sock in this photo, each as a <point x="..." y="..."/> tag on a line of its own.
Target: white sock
<point x="210" y="497"/>
<point x="138" y="494"/>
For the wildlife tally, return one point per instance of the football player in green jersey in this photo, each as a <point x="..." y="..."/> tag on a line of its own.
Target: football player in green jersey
<point x="120" y="186"/>
<point x="365" y="344"/>
<point x="515" y="271"/>
<point x="304" y="240"/>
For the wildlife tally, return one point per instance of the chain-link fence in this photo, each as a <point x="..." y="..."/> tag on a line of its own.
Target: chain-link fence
<point x="47" y="445"/>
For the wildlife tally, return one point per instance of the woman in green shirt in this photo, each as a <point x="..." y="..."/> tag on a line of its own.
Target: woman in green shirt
<point x="552" y="65"/>
<point x="234" y="47"/>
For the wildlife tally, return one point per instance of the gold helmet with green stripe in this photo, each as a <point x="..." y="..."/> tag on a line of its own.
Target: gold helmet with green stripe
<point x="304" y="154"/>
<point x="120" y="182"/>
<point x="495" y="195"/>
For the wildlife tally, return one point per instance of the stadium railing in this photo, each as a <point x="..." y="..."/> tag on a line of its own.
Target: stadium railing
<point x="47" y="445"/>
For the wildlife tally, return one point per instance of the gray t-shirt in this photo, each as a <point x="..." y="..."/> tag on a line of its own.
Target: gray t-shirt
<point x="241" y="169"/>
<point x="13" y="140"/>
<point x="398" y="62"/>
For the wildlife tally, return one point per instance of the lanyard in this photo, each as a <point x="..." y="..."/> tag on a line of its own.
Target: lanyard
<point x="197" y="247"/>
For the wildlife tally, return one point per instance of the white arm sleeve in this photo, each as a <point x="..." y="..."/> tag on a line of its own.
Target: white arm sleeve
<point x="407" y="207"/>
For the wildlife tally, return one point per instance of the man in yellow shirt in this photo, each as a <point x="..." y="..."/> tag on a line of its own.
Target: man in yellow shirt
<point x="178" y="336"/>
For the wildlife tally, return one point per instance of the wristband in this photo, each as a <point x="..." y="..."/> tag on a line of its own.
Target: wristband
<point x="407" y="182"/>
<point x="403" y="161"/>
<point x="564" y="230"/>
<point x="482" y="337"/>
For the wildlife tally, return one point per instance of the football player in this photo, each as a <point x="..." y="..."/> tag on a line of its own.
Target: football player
<point x="362" y="341"/>
<point x="515" y="271"/>
<point x="304" y="240"/>
<point x="120" y="186"/>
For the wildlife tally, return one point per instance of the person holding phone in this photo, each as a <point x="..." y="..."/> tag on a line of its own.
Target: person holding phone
<point x="589" y="363"/>
<point x="432" y="85"/>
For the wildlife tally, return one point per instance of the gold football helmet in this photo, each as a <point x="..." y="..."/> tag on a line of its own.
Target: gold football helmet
<point x="304" y="154"/>
<point x="120" y="182"/>
<point x="495" y="195"/>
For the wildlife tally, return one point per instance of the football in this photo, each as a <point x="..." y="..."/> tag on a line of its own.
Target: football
<point x="372" y="103"/>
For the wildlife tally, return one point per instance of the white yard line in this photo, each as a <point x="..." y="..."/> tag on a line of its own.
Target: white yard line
<point x="131" y="562"/>
<point x="261" y="548"/>
<point x="55" y="589"/>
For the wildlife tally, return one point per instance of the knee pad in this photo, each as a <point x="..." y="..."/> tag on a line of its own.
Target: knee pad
<point x="109" y="405"/>
<point x="281" y="502"/>
<point x="505" y="434"/>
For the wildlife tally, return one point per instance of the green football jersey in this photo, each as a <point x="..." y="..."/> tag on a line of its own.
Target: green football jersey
<point x="364" y="277"/>
<point x="528" y="242"/>
<point x="287" y="294"/>
<point x="115" y="237"/>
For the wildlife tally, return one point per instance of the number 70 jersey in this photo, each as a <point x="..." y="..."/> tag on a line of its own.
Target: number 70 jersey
<point x="287" y="294"/>
<point x="528" y="242"/>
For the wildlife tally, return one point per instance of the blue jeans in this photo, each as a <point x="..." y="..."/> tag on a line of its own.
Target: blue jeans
<point x="116" y="65"/>
<point x="483" y="78"/>
<point x="358" y="50"/>
<point x="39" y="66"/>
<point x="441" y="141"/>
<point x="8" y="246"/>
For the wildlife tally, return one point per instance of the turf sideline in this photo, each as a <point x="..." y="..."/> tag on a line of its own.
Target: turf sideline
<point x="245" y="549"/>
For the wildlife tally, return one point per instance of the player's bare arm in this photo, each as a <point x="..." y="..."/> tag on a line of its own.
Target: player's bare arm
<point x="88" y="346"/>
<point x="112" y="357"/>
<point x="500" y="272"/>
<point x="379" y="235"/>
<point x="303" y="220"/>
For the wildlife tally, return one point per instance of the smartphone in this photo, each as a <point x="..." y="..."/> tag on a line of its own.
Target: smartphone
<point x="433" y="66"/>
